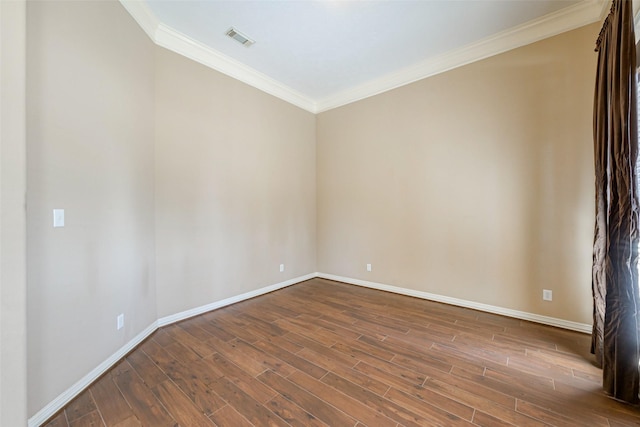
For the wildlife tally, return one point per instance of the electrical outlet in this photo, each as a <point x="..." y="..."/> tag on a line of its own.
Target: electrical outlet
<point x="120" y="321"/>
<point x="547" y="295"/>
<point x="368" y="267"/>
<point x="281" y="268"/>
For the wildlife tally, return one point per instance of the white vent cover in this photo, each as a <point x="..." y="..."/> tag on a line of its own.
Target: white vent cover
<point x="239" y="37"/>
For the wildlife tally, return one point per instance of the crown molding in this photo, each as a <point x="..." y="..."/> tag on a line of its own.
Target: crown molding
<point x="566" y="19"/>
<point x="546" y="26"/>
<point x="145" y="18"/>
<point x="173" y="40"/>
<point x="181" y="44"/>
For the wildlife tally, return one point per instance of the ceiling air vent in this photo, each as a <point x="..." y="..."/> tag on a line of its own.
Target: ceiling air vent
<point x="239" y="37"/>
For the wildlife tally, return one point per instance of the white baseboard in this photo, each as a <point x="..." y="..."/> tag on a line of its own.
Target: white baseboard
<point x="545" y="320"/>
<point x="68" y="395"/>
<point x="167" y="320"/>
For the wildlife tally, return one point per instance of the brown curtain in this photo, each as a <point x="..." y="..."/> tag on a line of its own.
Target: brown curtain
<point x="615" y="252"/>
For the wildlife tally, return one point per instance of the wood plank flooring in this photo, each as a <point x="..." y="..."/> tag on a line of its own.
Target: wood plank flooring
<point x="322" y="353"/>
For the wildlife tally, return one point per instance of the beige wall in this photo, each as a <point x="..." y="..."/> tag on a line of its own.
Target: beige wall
<point x="13" y="282"/>
<point x="90" y="138"/>
<point x="183" y="187"/>
<point x="162" y="166"/>
<point x="475" y="184"/>
<point x="235" y="186"/>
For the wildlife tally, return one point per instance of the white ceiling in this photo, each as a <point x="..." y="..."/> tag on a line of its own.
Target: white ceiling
<point x="321" y="54"/>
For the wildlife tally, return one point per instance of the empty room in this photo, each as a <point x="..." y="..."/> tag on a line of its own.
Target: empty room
<point x="319" y="213"/>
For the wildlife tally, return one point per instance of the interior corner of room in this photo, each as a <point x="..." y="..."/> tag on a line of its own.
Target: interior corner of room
<point x="184" y="189"/>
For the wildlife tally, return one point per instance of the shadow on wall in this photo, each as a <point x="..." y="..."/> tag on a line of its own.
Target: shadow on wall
<point x="559" y="213"/>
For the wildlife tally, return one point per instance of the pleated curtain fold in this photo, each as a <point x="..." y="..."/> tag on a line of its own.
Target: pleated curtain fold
<point x="615" y="338"/>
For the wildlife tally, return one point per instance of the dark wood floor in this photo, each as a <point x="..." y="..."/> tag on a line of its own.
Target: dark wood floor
<point x="322" y="353"/>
